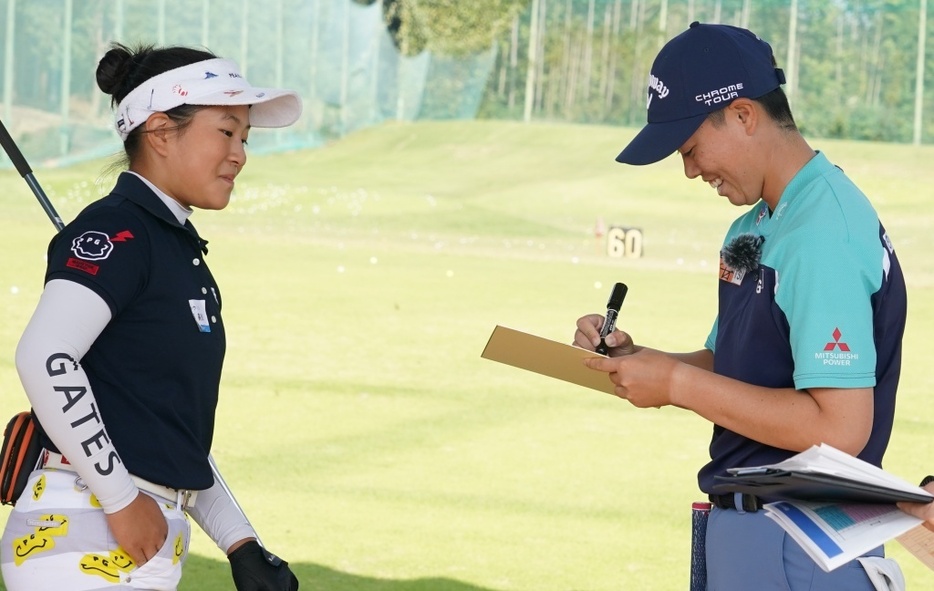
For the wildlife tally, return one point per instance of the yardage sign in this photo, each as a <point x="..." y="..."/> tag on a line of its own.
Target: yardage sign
<point x="624" y="242"/>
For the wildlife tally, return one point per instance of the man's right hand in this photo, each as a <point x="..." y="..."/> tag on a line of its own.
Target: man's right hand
<point x="140" y="528"/>
<point x="588" y="337"/>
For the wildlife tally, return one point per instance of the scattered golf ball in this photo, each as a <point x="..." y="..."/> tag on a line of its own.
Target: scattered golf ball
<point x="14" y="290"/>
<point x="597" y="285"/>
<point x="340" y="268"/>
<point x="450" y="273"/>
<point x="373" y="260"/>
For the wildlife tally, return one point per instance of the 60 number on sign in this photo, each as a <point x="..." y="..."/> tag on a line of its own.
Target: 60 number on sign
<point x="624" y="242"/>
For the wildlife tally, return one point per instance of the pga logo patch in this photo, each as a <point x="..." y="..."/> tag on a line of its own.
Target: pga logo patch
<point x="92" y="246"/>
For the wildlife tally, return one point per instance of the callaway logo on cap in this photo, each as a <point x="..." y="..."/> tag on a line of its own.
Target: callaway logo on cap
<point x="698" y="72"/>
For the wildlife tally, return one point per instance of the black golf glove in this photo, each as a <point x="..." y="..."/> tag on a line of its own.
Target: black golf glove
<point x="255" y="569"/>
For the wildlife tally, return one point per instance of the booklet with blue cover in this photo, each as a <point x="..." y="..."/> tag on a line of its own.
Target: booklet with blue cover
<point x="836" y="506"/>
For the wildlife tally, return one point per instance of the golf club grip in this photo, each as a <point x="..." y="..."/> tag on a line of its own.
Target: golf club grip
<point x="12" y="150"/>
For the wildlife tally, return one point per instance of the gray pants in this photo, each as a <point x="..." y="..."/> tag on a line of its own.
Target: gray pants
<point x="750" y="551"/>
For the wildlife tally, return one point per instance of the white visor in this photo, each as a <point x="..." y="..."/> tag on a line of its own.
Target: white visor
<point x="213" y="82"/>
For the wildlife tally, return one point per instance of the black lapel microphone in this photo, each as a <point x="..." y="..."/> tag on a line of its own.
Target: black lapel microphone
<point x="742" y="254"/>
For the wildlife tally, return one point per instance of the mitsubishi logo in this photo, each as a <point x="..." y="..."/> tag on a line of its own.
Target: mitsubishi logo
<point x="836" y="342"/>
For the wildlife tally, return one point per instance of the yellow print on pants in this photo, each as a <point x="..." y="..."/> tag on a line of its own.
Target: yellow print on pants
<point x="107" y="567"/>
<point x="38" y="488"/>
<point x="42" y="539"/>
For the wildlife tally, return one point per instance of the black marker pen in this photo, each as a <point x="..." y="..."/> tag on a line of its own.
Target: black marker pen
<point x="612" y="311"/>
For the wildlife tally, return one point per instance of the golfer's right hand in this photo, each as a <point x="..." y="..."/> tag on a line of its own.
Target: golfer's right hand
<point x="588" y="337"/>
<point x="140" y="528"/>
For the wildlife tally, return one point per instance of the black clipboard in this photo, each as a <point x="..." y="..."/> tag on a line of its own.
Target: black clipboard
<point x="792" y="485"/>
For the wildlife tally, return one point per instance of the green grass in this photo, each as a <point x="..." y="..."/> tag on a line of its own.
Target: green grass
<point x="371" y="445"/>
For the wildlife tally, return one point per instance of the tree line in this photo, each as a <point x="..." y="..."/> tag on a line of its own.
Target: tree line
<point x="856" y="68"/>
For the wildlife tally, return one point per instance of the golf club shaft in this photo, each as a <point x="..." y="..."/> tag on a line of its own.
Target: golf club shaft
<point x="12" y="150"/>
<point x="219" y="479"/>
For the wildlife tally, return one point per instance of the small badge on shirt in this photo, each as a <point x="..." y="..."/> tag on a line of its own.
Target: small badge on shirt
<point x="92" y="246"/>
<point x="730" y="275"/>
<point x="89" y="268"/>
<point x="837" y="352"/>
<point x="97" y="246"/>
<point x="200" y="314"/>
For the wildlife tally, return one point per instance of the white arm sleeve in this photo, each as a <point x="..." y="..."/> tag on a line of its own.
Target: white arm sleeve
<point x="215" y="512"/>
<point x="67" y="321"/>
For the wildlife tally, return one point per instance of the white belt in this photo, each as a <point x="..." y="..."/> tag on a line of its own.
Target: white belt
<point x="182" y="498"/>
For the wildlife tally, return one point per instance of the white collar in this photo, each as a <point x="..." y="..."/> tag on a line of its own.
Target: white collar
<point x="180" y="212"/>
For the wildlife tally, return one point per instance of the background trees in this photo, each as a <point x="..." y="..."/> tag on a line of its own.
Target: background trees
<point x="851" y="64"/>
<point x="856" y="69"/>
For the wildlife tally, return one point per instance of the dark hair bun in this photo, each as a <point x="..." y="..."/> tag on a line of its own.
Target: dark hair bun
<point x="116" y="70"/>
<point x="112" y="69"/>
<point x="124" y="68"/>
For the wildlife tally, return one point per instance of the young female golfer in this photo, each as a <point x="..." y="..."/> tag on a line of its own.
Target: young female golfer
<point x="122" y="358"/>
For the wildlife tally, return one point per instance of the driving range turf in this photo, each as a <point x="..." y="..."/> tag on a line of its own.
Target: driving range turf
<point x="371" y="445"/>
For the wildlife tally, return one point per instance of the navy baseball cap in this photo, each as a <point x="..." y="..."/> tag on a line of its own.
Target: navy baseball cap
<point x="698" y="72"/>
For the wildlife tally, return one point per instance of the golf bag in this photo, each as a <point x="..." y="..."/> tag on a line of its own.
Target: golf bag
<point x="20" y="456"/>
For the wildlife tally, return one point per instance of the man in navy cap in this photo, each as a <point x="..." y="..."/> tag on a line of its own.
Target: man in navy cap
<point x="806" y="345"/>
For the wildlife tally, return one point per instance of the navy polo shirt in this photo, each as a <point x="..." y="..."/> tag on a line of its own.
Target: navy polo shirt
<point x="825" y="308"/>
<point x="155" y="369"/>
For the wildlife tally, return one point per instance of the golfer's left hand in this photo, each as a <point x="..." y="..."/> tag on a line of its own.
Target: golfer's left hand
<point x="643" y="378"/>
<point x="253" y="572"/>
